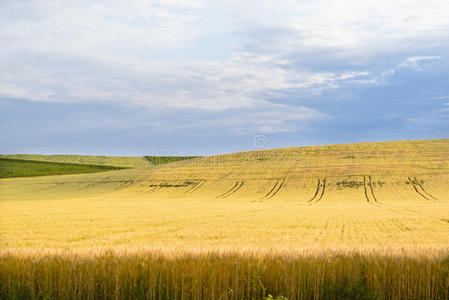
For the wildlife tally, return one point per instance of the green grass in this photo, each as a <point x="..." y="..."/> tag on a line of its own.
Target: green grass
<point x="25" y="168"/>
<point x="158" y="160"/>
<point x="116" y="161"/>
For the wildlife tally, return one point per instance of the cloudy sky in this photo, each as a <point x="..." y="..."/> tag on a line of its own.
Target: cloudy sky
<point x="205" y="77"/>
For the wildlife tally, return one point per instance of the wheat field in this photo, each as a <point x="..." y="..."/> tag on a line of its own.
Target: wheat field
<point x="384" y="203"/>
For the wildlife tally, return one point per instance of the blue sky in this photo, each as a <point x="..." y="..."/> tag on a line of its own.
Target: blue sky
<point x="204" y="77"/>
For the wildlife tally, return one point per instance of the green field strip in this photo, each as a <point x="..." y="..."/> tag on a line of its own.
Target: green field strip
<point x="11" y="168"/>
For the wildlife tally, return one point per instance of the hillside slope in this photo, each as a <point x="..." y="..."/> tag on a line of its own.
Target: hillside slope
<point x="115" y="161"/>
<point x="369" y="194"/>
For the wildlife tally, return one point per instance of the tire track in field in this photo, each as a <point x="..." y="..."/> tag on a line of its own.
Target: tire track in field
<point x="368" y="190"/>
<point x="418" y="188"/>
<point x="120" y="185"/>
<point x="154" y="189"/>
<point x="316" y="192"/>
<point x="193" y="189"/>
<point x="319" y="193"/>
<point x="274" y="190"/>
<point x="92" y="185"/>
<point x="85" y="187"/>
<point x="423" y="190"/>
<point x="238" y="185"/>
<point x="157" y="187"/>
<point x="372" y="189"/>
<point x="123" y="185"/>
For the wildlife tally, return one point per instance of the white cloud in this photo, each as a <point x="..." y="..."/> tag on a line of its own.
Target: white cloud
<point x="245" y="80"/>
<point x="415" y="59"/>
<point x="104" y="30"/>
<point x="350" y="23"/>
<point x="351" y="75"/>
<point x="414" y="62"/>
<point x="139" y="52"/>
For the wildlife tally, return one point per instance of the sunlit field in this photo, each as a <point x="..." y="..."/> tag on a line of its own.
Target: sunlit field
<point x="162" y="274"/>
<point x="308" y="222"/>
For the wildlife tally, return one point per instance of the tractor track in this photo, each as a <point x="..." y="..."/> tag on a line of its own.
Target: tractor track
<point x="157" y="187"/>
<point x="235" y="188"/>
<point x="85" y="187"/>
<point x="93" y="184"/>
<point x="417" y="187"/>
<point x="154" y="189"/>
<point x="364" y="188"/>
<point x="322" y="191"/>
<point x="193" y="189"/>
<point x="321" y="186"/>
<point x="123" y="185"/>
<point x="372" y="190"/>
<point x="316" y="192"/>
<point x="423" y="190"/>
<point x="368" y="189"/>
<point x="276" y="188"/>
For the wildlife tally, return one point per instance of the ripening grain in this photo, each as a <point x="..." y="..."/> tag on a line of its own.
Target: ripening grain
<point x="225" y="275"/>
<point x="303" y="204"/>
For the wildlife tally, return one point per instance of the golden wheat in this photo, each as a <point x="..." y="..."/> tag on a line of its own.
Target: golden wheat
<point x="226" y="275"/>
<point x="358" y="196"/>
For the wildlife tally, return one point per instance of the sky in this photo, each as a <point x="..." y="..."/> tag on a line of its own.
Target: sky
<point x="202" y="77"/>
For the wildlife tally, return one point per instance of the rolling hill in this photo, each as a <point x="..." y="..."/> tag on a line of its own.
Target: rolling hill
<point x="383" y="194"/>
